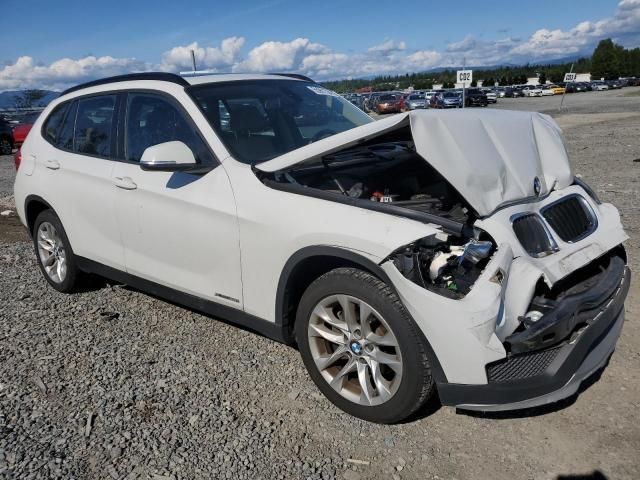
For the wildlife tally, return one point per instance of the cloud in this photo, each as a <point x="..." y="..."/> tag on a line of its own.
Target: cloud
<point x="272" y="56"/>
<point x="25" y="73"/>
<point x="387" y="47"/>
<point x="321" y="62"/>
<point x="210" y="58"/>
<point x="467" y="43"/>
<point x="623" y="27"/>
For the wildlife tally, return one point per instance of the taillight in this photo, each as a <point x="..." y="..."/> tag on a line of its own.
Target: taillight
<point x="17" y="158"/>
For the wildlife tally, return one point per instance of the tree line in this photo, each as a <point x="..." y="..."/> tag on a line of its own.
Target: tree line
<point x="609" y="61"/>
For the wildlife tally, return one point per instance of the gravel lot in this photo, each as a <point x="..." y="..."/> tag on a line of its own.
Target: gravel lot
<point x="112" y="383"/>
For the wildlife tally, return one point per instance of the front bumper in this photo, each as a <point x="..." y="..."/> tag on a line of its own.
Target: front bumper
<point x="546" y="376"/>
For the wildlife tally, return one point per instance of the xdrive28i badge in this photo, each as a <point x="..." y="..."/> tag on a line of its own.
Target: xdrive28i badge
<point x="537" y="186"/>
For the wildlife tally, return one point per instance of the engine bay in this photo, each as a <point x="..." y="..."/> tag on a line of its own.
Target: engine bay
<point x="383" y="171"/>
<point x="387" y="174"/>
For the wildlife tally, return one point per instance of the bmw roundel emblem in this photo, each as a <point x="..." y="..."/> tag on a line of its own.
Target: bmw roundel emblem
<point x="537" y="186"/>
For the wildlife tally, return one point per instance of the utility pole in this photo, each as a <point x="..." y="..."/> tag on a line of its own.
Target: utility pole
<point x="464" y="84"/>
<point x="193" y="59"/>
<point x="565" y="89"/>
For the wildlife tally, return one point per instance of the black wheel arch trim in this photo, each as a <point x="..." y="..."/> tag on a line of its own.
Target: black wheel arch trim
<point x="356" y="259"/>
<point x="28" y="201"/>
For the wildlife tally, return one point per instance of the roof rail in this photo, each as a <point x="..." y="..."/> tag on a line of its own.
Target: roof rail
<point x="161" y="76"/>
<point x="294" y="75"/>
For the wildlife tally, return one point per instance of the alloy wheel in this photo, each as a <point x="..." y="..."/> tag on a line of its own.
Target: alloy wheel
<point x="355" y="350"/>
<point x="52" y="252"/>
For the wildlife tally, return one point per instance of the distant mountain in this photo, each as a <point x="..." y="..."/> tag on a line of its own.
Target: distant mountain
<point x="9" y="99"/>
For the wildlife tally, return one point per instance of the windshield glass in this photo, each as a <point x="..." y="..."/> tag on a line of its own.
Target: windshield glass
<point x="258" y="120"/>
<point x="450" y="95"/>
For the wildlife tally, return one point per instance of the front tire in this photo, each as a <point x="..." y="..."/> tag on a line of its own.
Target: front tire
<point x="362" y="348"/>
<point x="53" y="251"/>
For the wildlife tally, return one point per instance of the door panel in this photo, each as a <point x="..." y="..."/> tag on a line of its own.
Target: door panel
<point x="77" y="175"/>
<point x="181" y="230"/>
<point x="178" y="229"/>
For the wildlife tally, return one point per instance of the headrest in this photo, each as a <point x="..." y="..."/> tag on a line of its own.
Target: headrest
<point x="246" y="117"/>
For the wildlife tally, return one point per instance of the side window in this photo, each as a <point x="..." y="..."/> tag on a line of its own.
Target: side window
<point x="53" y="124"/>
<point x="93" y="125"/>
<point x="151" y="120"/>
<point x="65" y="137"/>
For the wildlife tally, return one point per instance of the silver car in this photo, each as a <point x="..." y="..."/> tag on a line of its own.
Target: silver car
<point x="415" y="101"/>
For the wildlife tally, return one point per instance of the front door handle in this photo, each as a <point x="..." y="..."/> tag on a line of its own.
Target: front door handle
<point x="52" y="164"/>
<point x="125" y="183"/>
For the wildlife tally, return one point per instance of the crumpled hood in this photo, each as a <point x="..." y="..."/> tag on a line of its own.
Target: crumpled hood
<point x="492" y="157"/>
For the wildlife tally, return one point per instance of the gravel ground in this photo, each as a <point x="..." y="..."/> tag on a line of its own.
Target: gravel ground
<point x="111" y="383"/>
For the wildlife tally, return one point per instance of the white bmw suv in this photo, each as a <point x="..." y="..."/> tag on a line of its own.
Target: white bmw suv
<point x="429" y="253"/>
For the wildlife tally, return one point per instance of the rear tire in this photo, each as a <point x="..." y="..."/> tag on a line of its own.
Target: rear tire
<point x="371" y="361"/>
<point x="6" y="146"/>
<point x="54" y="253"/>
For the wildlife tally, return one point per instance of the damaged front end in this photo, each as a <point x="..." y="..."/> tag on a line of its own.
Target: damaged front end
<point x="520" y="290"/>
<point x="443" y="265"/>
<point x="558" y="314"/>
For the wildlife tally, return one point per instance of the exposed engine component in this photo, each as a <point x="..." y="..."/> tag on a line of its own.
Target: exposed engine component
<point x="439" y="265"/>
<point x="389" y="172"/>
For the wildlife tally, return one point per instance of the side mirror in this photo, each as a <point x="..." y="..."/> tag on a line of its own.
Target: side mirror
<point x="168" y="157"/>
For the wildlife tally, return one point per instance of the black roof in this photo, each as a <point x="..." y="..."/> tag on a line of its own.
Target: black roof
<point x="294" y="75"/>
<point x="161" y="76"/>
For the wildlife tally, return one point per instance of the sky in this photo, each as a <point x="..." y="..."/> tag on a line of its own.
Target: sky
<point x="56" y="45"/>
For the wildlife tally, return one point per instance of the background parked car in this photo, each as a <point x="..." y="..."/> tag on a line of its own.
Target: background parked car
<point x="532" y="91"/>
<point x="474" y="97"/>
<point x="448" y="99"/>
<point x="388" y="103"/>
<point x="599" y="86"/>
<point x="415" y="101"/>
<point x="6" y="137"/>
<point x="22" y="129"/>
<point x="583" y="87"/>
<point x="546" y="90"/>
<point x="492" y="96"/>
<point x="500" y="92"/>
<point x="429" y="95"/>
<point x="614" y="84"/>
<point x="557" y="89"/>
<point x="512" y="92"/>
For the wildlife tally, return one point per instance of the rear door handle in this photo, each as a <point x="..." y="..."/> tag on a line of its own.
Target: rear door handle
<point x="52" y="164"/>
<point x="125" y="183"/>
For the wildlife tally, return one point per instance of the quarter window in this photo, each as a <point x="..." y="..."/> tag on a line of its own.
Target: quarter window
<point x="53" y="124"/>
<point x="151" y="120"/>
<point x="65" y="137"/>
<point x="93" y="125"/>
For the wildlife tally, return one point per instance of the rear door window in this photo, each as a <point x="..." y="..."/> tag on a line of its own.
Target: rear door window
<point x="93" y="129"/>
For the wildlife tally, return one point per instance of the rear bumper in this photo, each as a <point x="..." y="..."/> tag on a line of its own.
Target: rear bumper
<point x="560" y="369"/>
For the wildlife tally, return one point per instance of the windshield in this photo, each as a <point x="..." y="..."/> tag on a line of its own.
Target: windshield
<point x="450" y="95"/>
<point x="258" y="120"/>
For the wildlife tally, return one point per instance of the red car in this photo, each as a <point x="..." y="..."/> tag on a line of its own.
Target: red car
<point x="21" y="130"/>
<point x="389" y="103"/>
